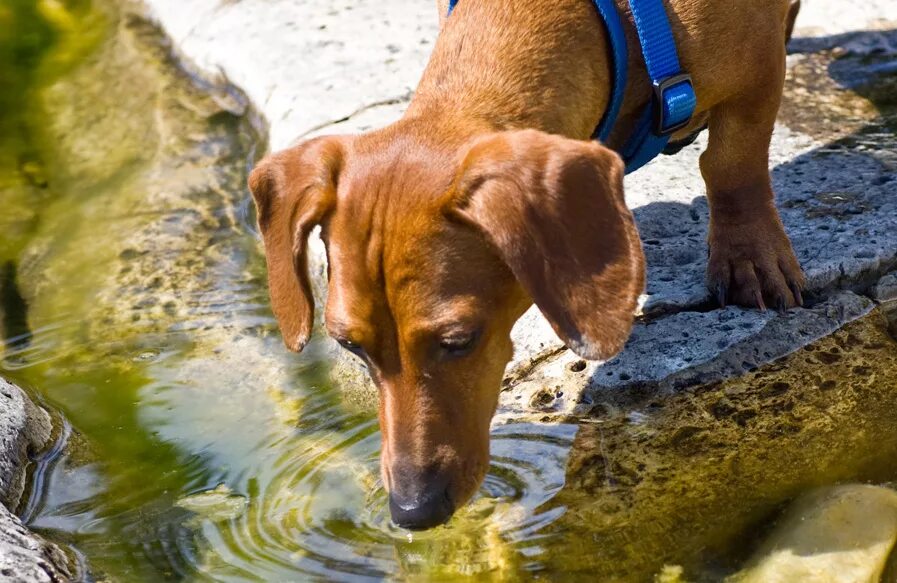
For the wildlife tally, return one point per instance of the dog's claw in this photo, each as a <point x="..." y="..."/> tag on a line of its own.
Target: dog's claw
<point x="722" y="292"/>
<point x="795" y="290"/>
<point x="755" y="272"/>
<point x="758" y="297"/>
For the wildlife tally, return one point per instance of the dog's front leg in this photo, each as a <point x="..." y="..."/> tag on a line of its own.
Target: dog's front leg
<point x="751" y="261"/>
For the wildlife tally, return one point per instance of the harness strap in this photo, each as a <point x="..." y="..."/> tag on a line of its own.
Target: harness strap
<point x="608" y="12"/>
<point x="674" y="100"/>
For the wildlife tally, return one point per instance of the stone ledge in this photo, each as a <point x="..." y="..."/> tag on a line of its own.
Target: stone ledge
<point x="685" y="349"/>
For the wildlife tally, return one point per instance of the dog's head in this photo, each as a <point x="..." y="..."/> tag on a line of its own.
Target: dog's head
<point x="434" y="251"/>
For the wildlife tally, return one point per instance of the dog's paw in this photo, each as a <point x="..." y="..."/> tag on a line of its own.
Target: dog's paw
<point x="754" y="266"/>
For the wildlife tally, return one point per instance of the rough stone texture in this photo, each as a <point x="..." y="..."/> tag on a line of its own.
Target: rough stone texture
<point x="24" y="429"/>
<point x="690" y="478"/>
<point x="26" y="557"/>
<point x="309" y="65"/>
<point x="684" y="349"/>
<point x="322" y="67"/>
<point x="886" y="288"/>
<point x="843" y="534"/>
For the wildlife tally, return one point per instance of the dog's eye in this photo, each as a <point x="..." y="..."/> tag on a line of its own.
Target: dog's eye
<point x="350" y="346"/>
<point x="458" y="344"/>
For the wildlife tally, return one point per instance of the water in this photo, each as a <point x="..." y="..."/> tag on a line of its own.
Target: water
<point x="191" y="446"/>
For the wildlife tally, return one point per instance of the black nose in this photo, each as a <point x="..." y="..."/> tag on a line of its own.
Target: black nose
<point x="425" y="509"/>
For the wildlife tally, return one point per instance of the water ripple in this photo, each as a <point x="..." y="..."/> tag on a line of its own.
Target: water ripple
<point x="322" y="511"/>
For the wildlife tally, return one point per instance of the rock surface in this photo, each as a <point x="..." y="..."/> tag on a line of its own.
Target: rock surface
<point x="886" y="288"/>
<point x="690" y="478"/>
<point x="26" y="557"/>
<point x="834" y="535"/>
<point x="834" y="175"/>
<point x="24" y="429"/>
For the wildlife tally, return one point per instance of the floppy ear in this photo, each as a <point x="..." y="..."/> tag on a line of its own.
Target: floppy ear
<point x="294" y="190"/>
<point x="554" y="210"/>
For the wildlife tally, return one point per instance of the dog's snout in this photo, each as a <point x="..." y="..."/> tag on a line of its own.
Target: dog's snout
<point x="426" y="509"/>
<point x="419" y="500"/>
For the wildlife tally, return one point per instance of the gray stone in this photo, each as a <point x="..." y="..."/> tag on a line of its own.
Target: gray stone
<point x="681" y="350"/>
<point x="27" y="558"/>
<point x="309" y="66"/>
<point x="24" y="429"/>
<point x="886" y="288"/>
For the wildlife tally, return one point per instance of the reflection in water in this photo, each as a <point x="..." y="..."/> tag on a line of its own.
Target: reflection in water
<point x="13" y="308"/>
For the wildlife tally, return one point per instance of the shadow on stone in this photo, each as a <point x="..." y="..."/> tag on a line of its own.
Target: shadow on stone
<point x="837" y="202"/>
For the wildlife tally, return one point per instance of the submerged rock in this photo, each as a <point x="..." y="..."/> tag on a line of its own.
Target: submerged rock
<point x="833" y="535"/>
<point x="691" y="478"/>
<point x="220" y="503"/>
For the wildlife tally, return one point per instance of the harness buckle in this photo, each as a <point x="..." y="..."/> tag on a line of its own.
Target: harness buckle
<point x="660" y="89"/>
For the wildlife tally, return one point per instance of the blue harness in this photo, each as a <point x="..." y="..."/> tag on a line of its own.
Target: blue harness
<point x="673" y="102"/>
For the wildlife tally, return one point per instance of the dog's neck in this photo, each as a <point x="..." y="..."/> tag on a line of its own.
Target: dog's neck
<point x="509" y="65"/>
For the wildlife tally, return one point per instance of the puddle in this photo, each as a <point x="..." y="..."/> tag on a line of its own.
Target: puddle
<point x="133" y="302"/>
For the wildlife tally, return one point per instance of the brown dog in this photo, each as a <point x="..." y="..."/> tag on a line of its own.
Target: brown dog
<point x="487" y="196"/>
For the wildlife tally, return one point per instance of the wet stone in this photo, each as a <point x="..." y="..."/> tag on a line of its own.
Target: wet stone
<point x="218" y="504"/>
<point x="843" y="534"/>
<point x="886" y="288"/>
<point x="27" y="557"/>
<point x="717" y="461"/>
<point x="24" y="430"/>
